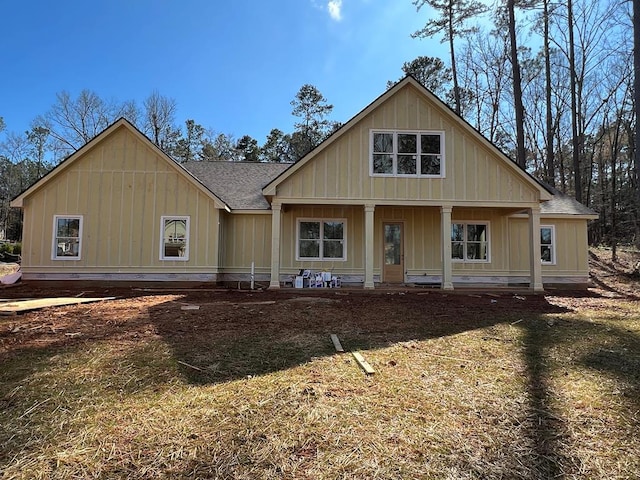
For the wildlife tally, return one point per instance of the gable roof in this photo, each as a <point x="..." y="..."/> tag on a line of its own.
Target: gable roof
<point x="545" y="194"/>
<point x="120" y="123"/>
<point x="238" y="184"/>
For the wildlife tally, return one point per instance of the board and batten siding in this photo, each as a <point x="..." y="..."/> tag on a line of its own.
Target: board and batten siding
<point x="246" y="238"/>
<point x="421" y="237"/>
<point x="473" y="173"/>
<point x="571" y="255"/>
<point x="354" y="217"/>
<point x="122" y="188"/>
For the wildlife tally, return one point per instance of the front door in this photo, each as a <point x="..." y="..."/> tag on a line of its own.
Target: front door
<point x="393" y="255"/>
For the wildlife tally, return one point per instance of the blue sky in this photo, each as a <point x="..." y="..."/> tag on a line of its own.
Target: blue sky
<point x="233" y="66"/>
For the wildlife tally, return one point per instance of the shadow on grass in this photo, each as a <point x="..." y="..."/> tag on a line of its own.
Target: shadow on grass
<point x="599" y="345"/>
<point x="618" y="356"/>
<point x="248" y="337"/>
<point x="546" y="428"/>
<point x="235" y="335"/>
<point x="29" y="340"/>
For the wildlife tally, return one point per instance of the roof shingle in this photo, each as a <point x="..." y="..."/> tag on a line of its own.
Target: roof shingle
<point x="238" y="184"/>
<point x="562" y="204"/>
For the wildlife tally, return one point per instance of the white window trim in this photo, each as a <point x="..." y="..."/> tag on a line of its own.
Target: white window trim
<point x="54" y="242"/>
<point x="472" y="222"/>
<point x="321" y="221"/>
<point x="553" y="244"/>
<point x="187" y="239"/>
<point x="395" y="133"/>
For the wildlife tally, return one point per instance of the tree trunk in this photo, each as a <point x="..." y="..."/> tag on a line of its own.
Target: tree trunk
<point x="636" y="96"/>
<point x="550" y="160"/>
<point x="454" y="70"/>
<point x="575" y="140"/>
<point x="521" y="157"/>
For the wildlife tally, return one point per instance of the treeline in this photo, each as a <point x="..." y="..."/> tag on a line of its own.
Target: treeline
<point x="551" y="84"/>
<point x="72" y="121"/>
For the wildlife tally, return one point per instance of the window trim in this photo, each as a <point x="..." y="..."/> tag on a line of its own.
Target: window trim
<point x="552" y="245"/>
<point x="487" y="224"/>
<point x="440" y="133"/>
<point x="321" y="239"/>
<point x="54" y="240"/>
<point x="163" y="219"/>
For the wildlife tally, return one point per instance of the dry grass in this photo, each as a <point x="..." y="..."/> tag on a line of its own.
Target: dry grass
<point x="466" y="387"/>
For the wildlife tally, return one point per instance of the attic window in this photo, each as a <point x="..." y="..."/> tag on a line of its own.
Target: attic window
<point x="398" y="153"/>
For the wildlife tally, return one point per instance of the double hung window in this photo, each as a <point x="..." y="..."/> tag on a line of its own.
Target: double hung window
<point x="174" y="235"/>
<point x="547" y="245"/>
<point x="67" y="237"/>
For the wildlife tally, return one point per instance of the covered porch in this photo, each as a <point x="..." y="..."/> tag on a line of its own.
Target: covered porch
<point x="422" y="243"/>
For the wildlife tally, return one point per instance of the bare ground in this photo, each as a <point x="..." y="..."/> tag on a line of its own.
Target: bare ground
<point x="242" y="310"/>
<point x="548" y="345"/>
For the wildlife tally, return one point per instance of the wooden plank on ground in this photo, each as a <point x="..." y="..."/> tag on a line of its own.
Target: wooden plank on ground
<point x="336" y="343"/>
<point x="9" y="308"/>
<point x="363" y="363"/>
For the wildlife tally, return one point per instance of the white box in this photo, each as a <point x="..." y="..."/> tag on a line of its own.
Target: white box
<point x="298" y="282"/>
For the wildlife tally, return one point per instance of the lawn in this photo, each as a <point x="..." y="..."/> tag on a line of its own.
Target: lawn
<point x="249" y="386"/>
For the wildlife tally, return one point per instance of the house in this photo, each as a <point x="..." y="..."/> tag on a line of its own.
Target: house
<point x="405" y="192"/>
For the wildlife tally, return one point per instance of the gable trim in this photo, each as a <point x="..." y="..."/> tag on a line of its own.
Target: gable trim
<point x="271" y="188"/>
<point x="18" y="201"/>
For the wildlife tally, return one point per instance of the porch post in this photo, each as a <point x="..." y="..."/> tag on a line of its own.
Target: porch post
<point x="368" y="246"/>
<point x="445" y="222"/>
<point x="276" y="209"/>
<point x="534" y="250"/>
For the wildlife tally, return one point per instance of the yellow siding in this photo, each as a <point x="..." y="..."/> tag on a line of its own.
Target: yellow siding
<point x="122" y="187"/>
<point x="571" y="247"/>
<point x="421" y="236"/>
<point x="354" y="237"/>
<point x="246" y="239"/>
<point x="473" y="172"/>
<point x="422" y="239"/>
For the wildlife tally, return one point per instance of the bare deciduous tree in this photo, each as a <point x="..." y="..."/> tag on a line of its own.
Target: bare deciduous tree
<point x="159" y="119"/>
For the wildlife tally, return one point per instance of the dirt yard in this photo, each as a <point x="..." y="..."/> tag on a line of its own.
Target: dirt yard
<point x="500" y="384"/>
<point x="111" y="319"/>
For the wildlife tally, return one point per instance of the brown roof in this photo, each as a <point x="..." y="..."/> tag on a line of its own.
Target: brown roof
<point x="238" y="184"/>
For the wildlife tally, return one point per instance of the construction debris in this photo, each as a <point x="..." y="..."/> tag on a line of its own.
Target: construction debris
<point x="190" y="366"/>
<point x="11" y="278"/>
<point x="363" y="363"/>
<point x="190" y="307"/>
<point x="11" y="308"/>
<point x="336" y="343"/>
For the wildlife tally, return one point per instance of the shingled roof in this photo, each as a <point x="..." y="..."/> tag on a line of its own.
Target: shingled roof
<point x="238" y="184"/>
<point x="562" y="204"/>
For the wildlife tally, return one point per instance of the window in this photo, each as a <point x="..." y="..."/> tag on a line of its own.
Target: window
<point x="321" y="240"/>
<point x="470" y="242"/>
<point x="67" y="237"/>
<point x="547" y="245"/>
<point x="397" y="153"/>
<point x="174" y="236"/>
